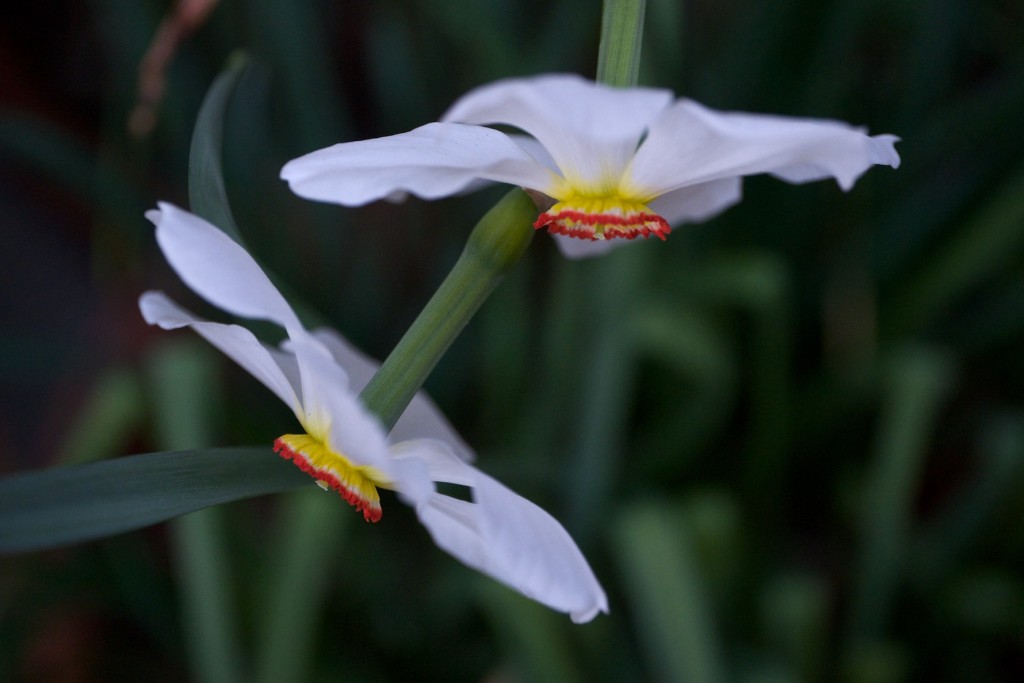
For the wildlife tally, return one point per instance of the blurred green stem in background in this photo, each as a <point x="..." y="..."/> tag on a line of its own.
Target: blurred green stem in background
<point x="601" y="422"/>
<point x="655" y="554"/>
<point x="186" y="391"/>
<point x="622" y="32"/>
<point x="916" y="385"/>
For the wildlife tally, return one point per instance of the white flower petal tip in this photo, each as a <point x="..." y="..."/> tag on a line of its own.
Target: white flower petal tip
<point x="158" y="310"/>
<point x="608" y="157"/>
<point x="218" y="268"/>
<point x="433" y="161"/>
<point x="883" y="151"/>
<point x="719" y="145"/>
<point x="523" y="548"/>
<point x="504" y="535"/>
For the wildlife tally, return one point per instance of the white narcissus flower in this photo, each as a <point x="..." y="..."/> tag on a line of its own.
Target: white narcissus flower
<point x="345" y="448"/>
<point x="615" y="163"/>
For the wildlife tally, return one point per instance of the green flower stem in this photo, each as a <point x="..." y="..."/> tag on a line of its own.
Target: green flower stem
<point x="622" y="29"/>
<point x="494" y="247"/>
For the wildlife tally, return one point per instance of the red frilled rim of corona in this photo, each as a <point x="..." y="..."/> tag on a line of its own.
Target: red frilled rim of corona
<point x="596" y="226"/>
<point x="332" y="469"/>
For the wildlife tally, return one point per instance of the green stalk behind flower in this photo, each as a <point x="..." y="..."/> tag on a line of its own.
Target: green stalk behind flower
<point x="622" y="32"/>
<point x="496" y="244"/>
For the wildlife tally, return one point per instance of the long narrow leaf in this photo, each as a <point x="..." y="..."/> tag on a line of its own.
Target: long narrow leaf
<point x="534" y="636"/>
<point x="206" y="193"/>
<point x="600" y="430"/>
<point x="307" y="546"/>
<point x="187" y="393"/>
<point x="667" y="594"/>
<point x="981" y="247"/>
<point x="69" y="505"/>
<point x="916" y="385"/>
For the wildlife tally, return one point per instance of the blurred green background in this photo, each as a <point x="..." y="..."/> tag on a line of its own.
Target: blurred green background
<point x="789" y="440"/>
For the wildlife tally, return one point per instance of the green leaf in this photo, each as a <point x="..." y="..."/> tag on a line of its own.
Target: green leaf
<point x="62" y="506"/>
<point x="188" y="394"/>
<point x="69" y="165"/>
<point x="308" y="540"/>
<point x="107" y="421"/>
<point x="667" y="594"/>
<point x="622" y="32"/>
<point x="534" y="636"/>
<point x="916" y="384"/>
<point x="206" y="192"/>
<point x="600" y="426"/>
<point x="988" y="244"/>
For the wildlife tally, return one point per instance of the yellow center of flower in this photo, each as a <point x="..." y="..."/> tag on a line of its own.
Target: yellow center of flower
<point x="604" y="216"/>
<point x="357" y="484"/>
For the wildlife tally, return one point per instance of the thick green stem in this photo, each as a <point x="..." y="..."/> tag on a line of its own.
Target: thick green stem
<point x="622" y="28"/>
<point x="494" y="247"/>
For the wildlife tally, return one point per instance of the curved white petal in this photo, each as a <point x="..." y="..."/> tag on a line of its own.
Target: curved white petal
<point x="697" y="203"/>
<point x="591" y="130"/>
<point x="237" y="343"/>
<point x="217" y="268"/>
<point x="289" y="365"/>
<point x="536" y="150"/>
<point x="422" y="419"/>
<point x="881" y="150"/>
<point x="507" y="537"/>
<point x="432" y="161"/>
<point x="691" y="144"/>
<point x="333" y="413"/>
<point x="438" y="459"/>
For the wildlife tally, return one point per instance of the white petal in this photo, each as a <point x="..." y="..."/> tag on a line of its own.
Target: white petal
<point x="359" y="367"/>
<point x="575" y="248"/>
<point x="881" y="151"/>
<point x="690" y="144"/>
<point x="697" y="203"/>
<point x="217" y="268"/>
<point x="511" y="540"/>
<point x="237" y="343"/>
<point x="533" y="552"/>
<point x="439" y="460"/>
<point x="591" y="130"/>
<point x="571" y="247"/>
<point x="536" y="150"/>
<point x="333" y="411"/>
<point x="422" y="419"/>
<point x="432" y="161"/>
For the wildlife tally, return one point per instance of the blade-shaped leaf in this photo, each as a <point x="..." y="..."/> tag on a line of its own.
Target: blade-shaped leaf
<point x="206" y="193"/>
<point x="668" y="594"/>
<point x="69" y="505"/>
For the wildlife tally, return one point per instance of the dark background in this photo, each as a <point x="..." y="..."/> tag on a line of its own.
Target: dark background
<point x="790" y="440"/>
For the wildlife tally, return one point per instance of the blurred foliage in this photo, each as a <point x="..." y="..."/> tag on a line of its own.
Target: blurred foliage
<point x="790" y="440"/>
